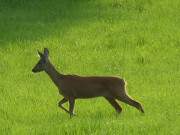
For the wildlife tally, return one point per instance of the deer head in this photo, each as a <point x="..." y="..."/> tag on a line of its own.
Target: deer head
<point x="41" y="65"/>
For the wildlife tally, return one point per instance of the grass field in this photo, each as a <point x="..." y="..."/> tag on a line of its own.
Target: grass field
<point x="134" y="39"/>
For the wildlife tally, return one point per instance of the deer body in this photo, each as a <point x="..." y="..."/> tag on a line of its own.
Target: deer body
<point x="72" y="87"/>
<point x="87" y="87"/>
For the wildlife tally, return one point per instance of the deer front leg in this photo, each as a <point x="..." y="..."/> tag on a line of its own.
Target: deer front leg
<point x="64" y="100"/>
<point x="71" y="105"/>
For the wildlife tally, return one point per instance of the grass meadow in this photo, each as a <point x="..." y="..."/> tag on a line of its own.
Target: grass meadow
<point x="137" y="40"/>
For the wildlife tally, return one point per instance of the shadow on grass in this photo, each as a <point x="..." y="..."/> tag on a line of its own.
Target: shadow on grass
<point x="27" y="21"/>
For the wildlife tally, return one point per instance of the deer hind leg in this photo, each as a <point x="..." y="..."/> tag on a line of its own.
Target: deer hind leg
<point x="64" y="100"/>
<point x="113" y="102"/>
<point x="126" y="99"/>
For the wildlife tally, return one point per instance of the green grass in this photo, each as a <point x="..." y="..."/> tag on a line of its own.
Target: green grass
<point x="134" y="39"/>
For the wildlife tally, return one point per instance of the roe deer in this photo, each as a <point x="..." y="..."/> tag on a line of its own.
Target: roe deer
<point x="72" y="87"/>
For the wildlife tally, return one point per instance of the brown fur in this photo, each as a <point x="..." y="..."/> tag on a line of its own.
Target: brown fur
<point x="72" y="87"/>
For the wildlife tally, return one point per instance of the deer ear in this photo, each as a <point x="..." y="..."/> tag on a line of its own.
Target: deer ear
<point x="46" y="52"/>
<point x="39" y="53"/>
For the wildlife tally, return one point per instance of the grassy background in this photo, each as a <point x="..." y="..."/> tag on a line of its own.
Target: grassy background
<point x="135" y="39"/>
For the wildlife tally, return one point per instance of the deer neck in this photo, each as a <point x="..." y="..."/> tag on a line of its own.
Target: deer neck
<point x="53" y="73"/>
